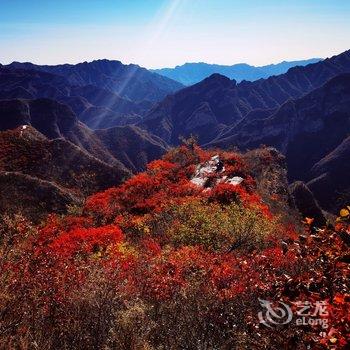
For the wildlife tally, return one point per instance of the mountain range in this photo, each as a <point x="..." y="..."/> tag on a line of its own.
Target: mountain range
<point x="102" y="93"/>
<point x="311" y="131"/>
<point x="192" y="73"/>
<point x="210" y="108"/>
<point x="304" y="113"/>
<point x="97" y="123"/>
<point x="51" y="159"/>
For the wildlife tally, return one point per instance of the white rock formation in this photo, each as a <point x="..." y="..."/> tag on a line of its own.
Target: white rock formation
<point x="212" y="166"/>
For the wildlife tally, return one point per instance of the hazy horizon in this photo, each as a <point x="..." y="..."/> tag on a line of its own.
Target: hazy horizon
<point x="172" y="67"/>
<point x="167" y="33"/>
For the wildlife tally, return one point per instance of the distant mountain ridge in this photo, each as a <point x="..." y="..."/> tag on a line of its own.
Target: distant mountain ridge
<point x="128" y="81"/>
<point x="108" y="107"/>
<point x="192" y="73"/>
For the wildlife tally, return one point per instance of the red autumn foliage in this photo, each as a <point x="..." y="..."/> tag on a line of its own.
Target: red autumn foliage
<point x="168" y="180"/>
<point x="85" y="240"/>
<point x="90" y="270"/>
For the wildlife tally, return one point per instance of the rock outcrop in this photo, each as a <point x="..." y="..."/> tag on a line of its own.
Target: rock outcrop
<point x="306" y="203"/>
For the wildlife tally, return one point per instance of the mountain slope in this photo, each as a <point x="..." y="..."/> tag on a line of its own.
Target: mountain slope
<point x="31" y="197"/>
<point x="200" y="109"/>
<point x="39" y="175"/>
<point x="192" y="73"/>
<point x="26" y="150"/>
<point x="272" y="92"/>
<point x="54" y="120"/>
<point x="124" y="147"/>
<point x="134" y="147"/>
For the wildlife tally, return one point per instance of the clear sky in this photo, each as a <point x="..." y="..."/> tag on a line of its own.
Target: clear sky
<point x="164" y="33"/>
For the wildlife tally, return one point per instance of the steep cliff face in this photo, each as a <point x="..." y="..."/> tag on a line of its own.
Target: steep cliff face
<point x="330" y="178"/>
<point x="304" y="200"/>
<point x="268" y="168"/>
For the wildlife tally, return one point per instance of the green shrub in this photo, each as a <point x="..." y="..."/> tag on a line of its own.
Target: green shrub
<point x="215" y="227"/>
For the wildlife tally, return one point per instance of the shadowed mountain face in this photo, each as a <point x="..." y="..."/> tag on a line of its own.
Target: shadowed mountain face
<point x="192" y="73"/>
<point x="51" y="118"/>
<point x="213" y="106"/>
<point x="330" y="182"/>
<point x="54" y="120"/>
<point x="312" y="132"/>
<point x="132" y="146"/>
<point x="305" y="129"/>
<point x="202" y="109"/>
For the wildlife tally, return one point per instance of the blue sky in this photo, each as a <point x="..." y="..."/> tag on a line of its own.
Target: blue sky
<point x="161" y="33"/>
